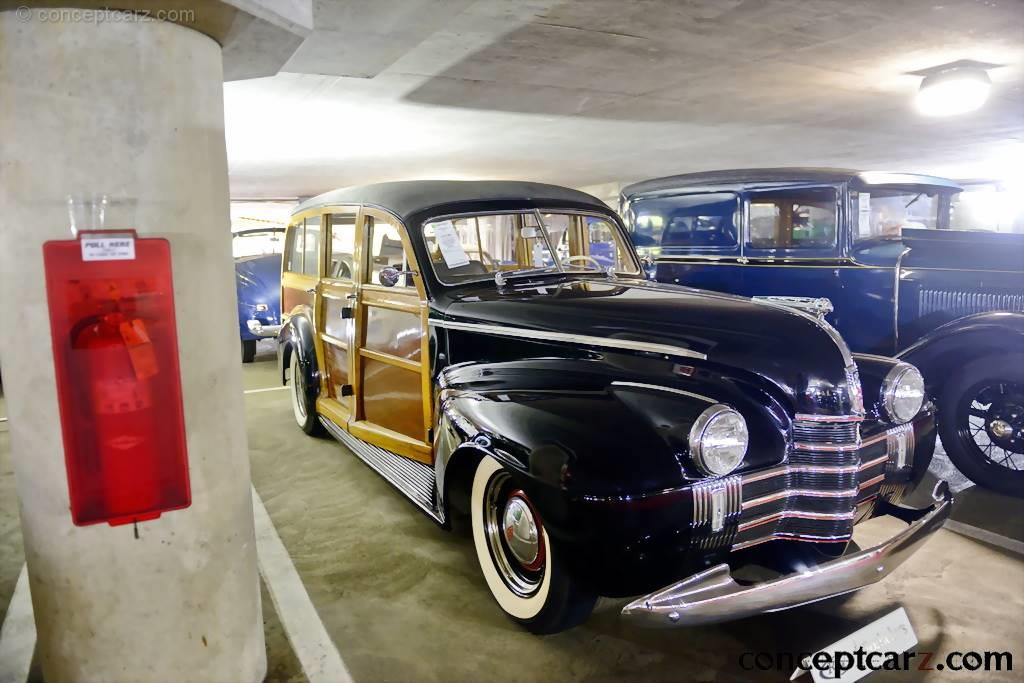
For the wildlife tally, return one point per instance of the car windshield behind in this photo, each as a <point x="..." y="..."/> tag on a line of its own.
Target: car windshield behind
<point x="474" y="247"/>
<point x="257" y="243"/>
<point x="884" y="212"/>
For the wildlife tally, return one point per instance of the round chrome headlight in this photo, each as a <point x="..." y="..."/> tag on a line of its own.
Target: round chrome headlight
<point x="718" y="440"/>
<point x="903" y="393"/>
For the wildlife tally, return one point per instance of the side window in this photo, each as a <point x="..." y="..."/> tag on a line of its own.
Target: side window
<point x="341" y="264"/>
<point x="702" y="221"/>
<point x="293" y="249"/>
<point x="311" y="248"/>
<point x="793" y="219"/>
<point x="385" y="250"/>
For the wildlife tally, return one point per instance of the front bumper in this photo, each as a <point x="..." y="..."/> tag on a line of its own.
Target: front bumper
<point x="260" y="330"/>
<point x="713" y="595"/>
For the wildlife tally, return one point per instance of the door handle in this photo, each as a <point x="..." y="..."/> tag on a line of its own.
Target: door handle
<point x="311" y="290"/>
<point x="743" y="260"/>
<point x="352" y="297"/>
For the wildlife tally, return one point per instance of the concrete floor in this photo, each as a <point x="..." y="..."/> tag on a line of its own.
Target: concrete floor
<point x="404" y="600"/>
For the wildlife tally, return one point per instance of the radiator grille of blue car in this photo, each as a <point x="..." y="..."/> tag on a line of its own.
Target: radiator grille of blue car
<point x="966" y="303"/>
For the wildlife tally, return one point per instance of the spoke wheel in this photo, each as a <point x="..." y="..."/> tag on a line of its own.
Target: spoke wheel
<point x="981" y="422"/>
<point x="992" y="419"/>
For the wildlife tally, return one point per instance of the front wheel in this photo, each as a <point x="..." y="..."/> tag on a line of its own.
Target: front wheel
<point x="302" y="407"/>
<point x="248" y="350"/>
<point x="981" y="422"/>
<point x="520" y="561"/>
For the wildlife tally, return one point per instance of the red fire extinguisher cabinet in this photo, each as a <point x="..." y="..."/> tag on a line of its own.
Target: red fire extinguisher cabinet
<point x="115" y="351"/>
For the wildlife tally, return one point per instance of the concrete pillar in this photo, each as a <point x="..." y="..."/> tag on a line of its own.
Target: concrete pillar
<point x="125" y="119"/>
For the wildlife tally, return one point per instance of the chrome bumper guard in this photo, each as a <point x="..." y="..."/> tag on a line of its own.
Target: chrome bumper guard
<point x="714" y="596"/>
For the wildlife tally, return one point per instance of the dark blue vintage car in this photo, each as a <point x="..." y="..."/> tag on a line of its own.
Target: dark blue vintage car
<point x="258" y="280"/>
<point x="879" y="248"/>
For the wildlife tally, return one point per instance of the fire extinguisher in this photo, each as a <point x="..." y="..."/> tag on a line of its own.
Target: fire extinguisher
<point x="116" y="382"/>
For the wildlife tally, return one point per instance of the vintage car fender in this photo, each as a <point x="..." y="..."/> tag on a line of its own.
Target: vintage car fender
<point x="973" y="336"/>
<point x="295" y="341"/>
<point x="544" y="425"/>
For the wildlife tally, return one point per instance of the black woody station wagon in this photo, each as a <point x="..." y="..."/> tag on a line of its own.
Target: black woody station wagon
<point x="491" y="348"/>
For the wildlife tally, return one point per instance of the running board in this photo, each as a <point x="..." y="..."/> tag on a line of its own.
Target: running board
<point x="414" y="479"/>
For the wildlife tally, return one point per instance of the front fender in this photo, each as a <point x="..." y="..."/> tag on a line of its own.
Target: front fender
<point x="295" y="343"/>
<point x="964" y="339"/>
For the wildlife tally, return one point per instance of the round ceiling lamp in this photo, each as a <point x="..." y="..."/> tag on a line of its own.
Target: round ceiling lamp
<point x="954" y="88"/>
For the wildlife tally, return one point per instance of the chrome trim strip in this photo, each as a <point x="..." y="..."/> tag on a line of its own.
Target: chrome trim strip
<point x="826" y="448"/>
<point x="796" y="514"/>
<point x="713" y="596"/>
<point x="871" y="482"/>
<point x="896" y="300"/>
<point x="658" y="387"/>
<point x="873" y="463"/>
<point x="842" y="538"/>
<point x="809" y="469"/>
<point x="792" y="493"/>
<point x="606" y="342"/>
<point x="805" y="417"/>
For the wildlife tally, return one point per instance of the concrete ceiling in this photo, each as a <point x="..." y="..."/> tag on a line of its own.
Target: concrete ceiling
<point x="596" y="91"/>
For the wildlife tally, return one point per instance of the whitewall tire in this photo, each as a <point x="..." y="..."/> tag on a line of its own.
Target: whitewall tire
<point x="518" y="558"/>
<point x="303" y="409"/>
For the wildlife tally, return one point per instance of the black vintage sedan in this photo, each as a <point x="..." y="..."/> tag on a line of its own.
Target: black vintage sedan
<point x="492" y="349"/>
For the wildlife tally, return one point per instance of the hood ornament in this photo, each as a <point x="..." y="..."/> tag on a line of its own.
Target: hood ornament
<point x="818" y="307"/>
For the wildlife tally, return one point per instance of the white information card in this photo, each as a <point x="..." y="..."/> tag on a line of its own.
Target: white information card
<point x="450" y="244"/>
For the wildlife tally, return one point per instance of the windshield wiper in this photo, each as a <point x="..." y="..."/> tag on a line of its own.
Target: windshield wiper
<point x="501" y="276"/>
<point x="919" y="195"/>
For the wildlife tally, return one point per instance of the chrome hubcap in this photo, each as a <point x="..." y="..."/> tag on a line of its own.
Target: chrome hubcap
<point x="521" y="531"/>
<point x="515" y="536"/>
<point x="1000" y="429"/>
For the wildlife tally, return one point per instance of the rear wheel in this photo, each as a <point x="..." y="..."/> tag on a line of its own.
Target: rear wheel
<point x="248" y="350"/>
<point x="520" y="561"/>
<point x="981" y="422"/>
<point x="303" y="408"/>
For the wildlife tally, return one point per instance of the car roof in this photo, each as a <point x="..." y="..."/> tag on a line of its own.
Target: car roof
<point x="743" y="176"/>
<point x="405" y="198"/>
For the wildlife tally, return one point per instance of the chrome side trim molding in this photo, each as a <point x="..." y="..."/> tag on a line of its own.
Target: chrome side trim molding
<point x="414" y="479"/>
<point x="658" y="387"/>
<point x="586" y="340"/>
<point x="713" y="595"/>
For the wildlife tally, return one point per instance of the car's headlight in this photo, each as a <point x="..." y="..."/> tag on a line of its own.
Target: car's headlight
<point x="903" y="393"/>
<point x="718" y="440"/>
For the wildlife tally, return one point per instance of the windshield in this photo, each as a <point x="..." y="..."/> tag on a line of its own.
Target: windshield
<point x="257" y="243"/>
<point x="884" y="212"/>
<point x="474" y="247"/>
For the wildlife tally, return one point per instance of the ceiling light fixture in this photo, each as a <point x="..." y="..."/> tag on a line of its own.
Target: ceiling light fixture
<point x="955" y="88"/>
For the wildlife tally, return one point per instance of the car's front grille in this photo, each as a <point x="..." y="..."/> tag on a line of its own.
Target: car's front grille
<point x="827" y="483"/>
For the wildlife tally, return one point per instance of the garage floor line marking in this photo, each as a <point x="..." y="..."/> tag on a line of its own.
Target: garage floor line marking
<point x="314" y="649"/>
<point x="985" y="536"/>
<point x="260" y="391"/>
<point x="18" y="634"/>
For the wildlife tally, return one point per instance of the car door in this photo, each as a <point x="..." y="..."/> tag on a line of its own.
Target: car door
<point x="336" y="327"/>
<point x="791" y="244"/>
<point x="390" y="368"/>
<point x="300" y="269"/>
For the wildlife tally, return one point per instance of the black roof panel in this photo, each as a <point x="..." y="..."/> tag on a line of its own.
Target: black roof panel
<point x="405" y="198"/>
<point x="741" y="176"/>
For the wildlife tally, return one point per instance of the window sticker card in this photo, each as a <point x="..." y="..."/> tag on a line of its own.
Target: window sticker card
<point x="864" y="214"/>
<point x="450" y="245"/>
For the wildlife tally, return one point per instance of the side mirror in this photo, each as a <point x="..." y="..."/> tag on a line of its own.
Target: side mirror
<point x="390" y="275"/>
<point x="648" y="267"/>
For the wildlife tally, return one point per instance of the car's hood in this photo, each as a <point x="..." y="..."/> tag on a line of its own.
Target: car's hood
<point x="793" y="350"/>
